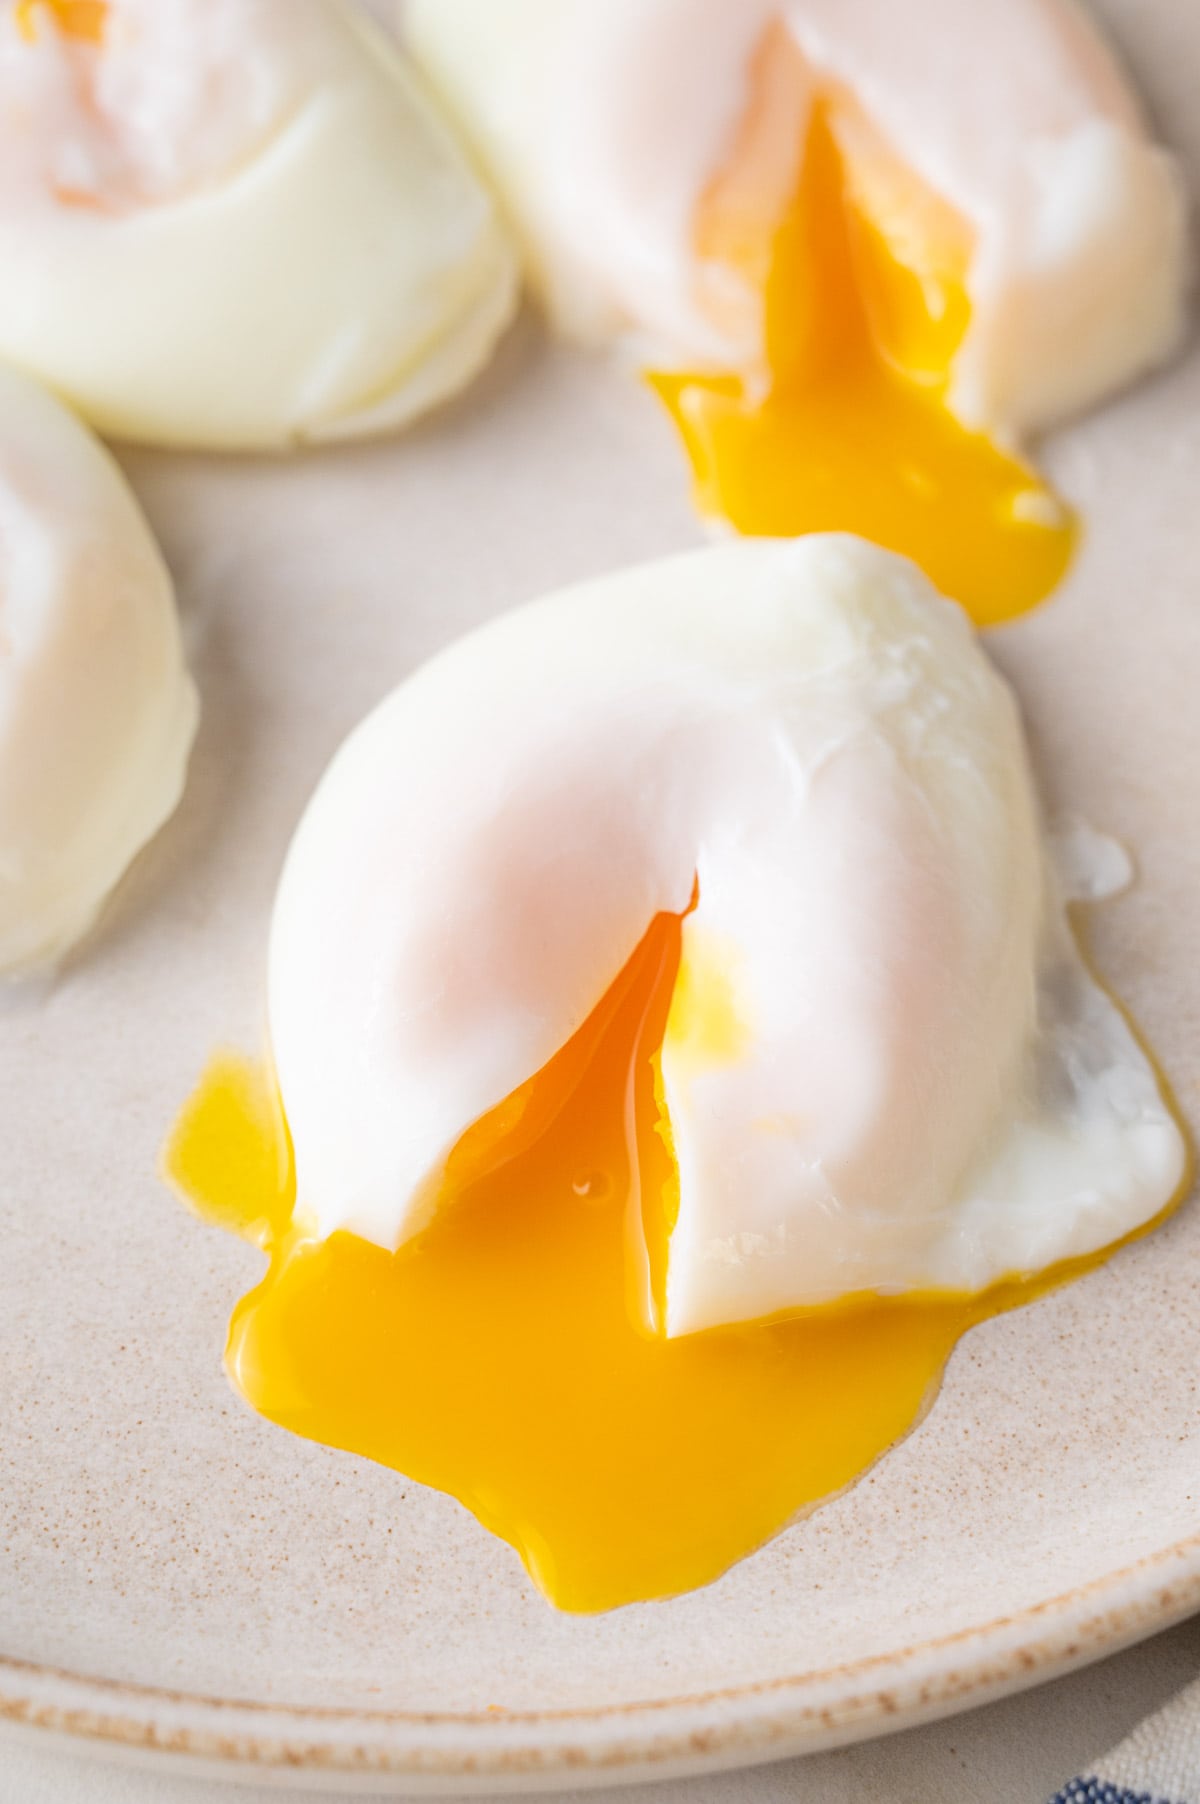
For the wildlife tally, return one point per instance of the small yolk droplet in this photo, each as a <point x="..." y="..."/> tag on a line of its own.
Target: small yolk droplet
<point x="508" y="1353"/>
<point x="81" y="19"/>
<point x="848" y="427"/>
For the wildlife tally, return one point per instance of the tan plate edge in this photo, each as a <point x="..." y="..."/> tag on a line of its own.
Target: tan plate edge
<point x="495" y="1749"/>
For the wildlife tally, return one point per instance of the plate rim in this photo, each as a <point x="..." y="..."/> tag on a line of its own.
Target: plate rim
<point x="449" y="1752"/>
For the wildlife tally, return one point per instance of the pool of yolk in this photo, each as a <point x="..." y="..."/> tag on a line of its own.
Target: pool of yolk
<point x="847" y="428"/>
<point x="505" y="1354"/>
<point x="82" y="19"/>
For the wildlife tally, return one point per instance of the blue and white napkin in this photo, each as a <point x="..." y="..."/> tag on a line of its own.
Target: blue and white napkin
<point x="1158" y="1764"/>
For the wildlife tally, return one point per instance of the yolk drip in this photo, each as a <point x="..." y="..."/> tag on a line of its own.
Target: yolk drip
<point x="848" y="427"/>
<point x="82" y="19"/>
<point x="504" y="1354"/>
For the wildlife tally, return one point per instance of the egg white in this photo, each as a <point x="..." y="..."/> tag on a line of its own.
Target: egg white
<point x="239" y="223"/>
<point x="892" y="1070"/>
<point x="97" y="710"/>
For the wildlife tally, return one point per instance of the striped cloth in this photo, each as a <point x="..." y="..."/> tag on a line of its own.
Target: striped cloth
<point x="1158" y="1764"/>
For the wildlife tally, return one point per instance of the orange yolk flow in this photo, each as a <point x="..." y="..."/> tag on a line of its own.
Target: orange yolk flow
<point x="504" y="1354"/>
<point x="82" y="19"/>
<point x="863" y="283"/>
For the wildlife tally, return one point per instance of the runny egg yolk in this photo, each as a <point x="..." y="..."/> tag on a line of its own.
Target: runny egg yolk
<point x="863" y="283"/>
<point x="82" y="19"/>
<point x="506" y="1355"/>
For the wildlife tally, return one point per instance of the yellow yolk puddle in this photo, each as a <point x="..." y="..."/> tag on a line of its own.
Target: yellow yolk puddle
<point x="848" y="428"/>
<point x="503" y="1354"/>
<point x="83" y="19"/>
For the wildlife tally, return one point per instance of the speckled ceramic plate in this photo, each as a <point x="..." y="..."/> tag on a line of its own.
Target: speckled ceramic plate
<point x="179" y="1577"/>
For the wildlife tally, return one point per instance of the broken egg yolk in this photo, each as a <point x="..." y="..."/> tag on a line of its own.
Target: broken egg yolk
<point x="847" y="428"/>
<point x="82" y="19"/>
<point x="507" y="1354"/>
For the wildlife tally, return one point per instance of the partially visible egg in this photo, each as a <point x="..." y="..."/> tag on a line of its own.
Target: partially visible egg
<point x="866" y="248"/>
<point x="236" y="223"/>
<point x="681" y="1041"/>
<point x="97" y="710"/>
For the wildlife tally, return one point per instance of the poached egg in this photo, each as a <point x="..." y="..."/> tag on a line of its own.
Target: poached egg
<point x="97" y="710"/>
<point x="678" y="1041"/>
<point x="865" y="251"/>
<point x="236" y="223"/>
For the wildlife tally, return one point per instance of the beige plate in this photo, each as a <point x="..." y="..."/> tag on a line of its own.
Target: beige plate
<point x="177" y="1575"/>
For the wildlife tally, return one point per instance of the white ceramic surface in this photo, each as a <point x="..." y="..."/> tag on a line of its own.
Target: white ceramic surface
<point x="179" y="1577"/>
